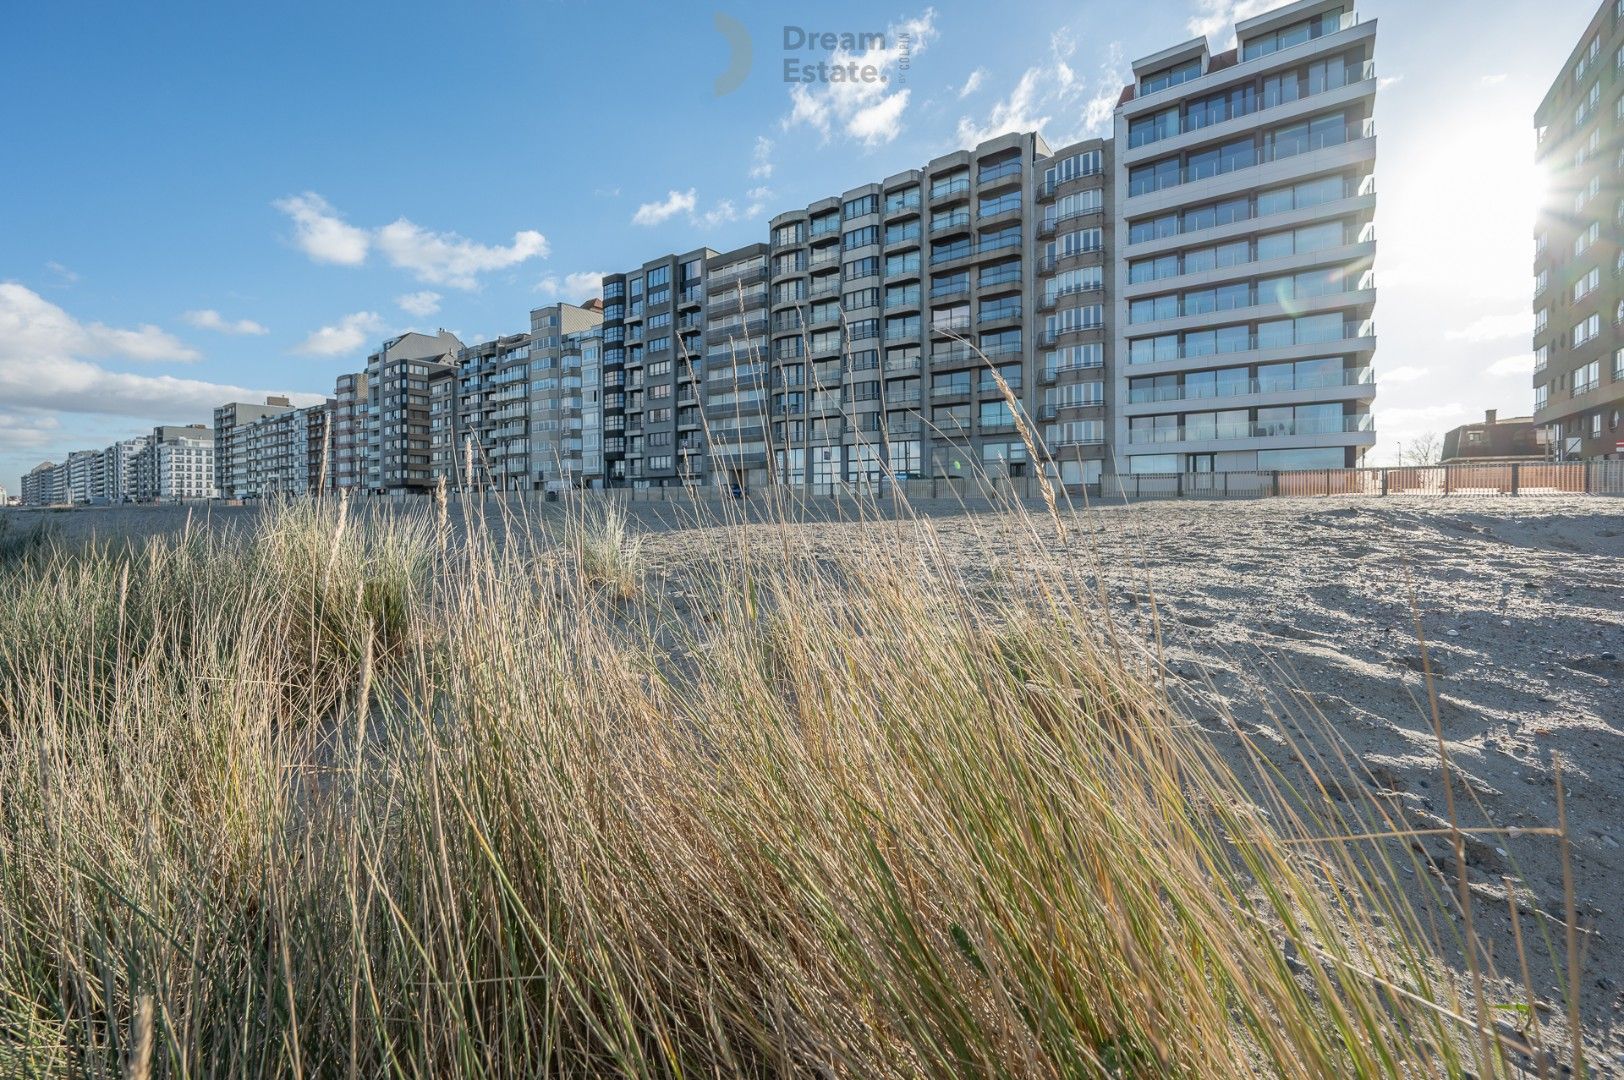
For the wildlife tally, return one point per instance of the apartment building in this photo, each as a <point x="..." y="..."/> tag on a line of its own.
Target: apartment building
<point x="653" y="357"/>
<point x="232" y="462"/>
<point x="397" y="458"/>
<point x="44" y="485"/>
<point x="285" y="453"/>
<point x="729" y="442"/>
<point x="582" y="350"/>
<point x="1579" y="248"/>
<point x="177" y="464"/>
<point x="513" y="415"/>
<point x="347" y="438"/>
<point x="1245" y="197"/>
<point x="121" y="475"/>
<point x="84" y="475"/>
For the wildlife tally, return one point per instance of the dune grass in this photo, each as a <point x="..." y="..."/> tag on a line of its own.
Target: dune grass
<point x="350" y="795"/>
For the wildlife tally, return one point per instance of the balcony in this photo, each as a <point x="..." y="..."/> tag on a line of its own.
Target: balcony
<point x="1002" y="172"/>
<point x="958" y="187"/>
<point x="1271" y="429"/>
<point x="1001" y="314"/>
<point x="1162" y="179"/>
<point x="1186" y="123"/>
<point x="1059" y="333"/>
<point x="948" y="391"/>
<point x="1363" y="376"/>
<point x="1158" y="353"/>
<point x="957" y="220"/>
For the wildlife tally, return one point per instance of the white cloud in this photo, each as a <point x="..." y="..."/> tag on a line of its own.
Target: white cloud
<point x="1402" y="374"/>
<point x="675" y="202"/>
<point x="761" y="165"/>
<point x="1495" y="328"/>
<point x="573" y="288"/>
<point x="1512" y="366"/>
<point x="1215" y="17"/>
<point x="422" y="304"/>
<point x="869" y="112"/>
<point x="1053" y="89"/>
<point x="29" y="322"/>
<point x="346" y="336"/>
<point x="44" y="366"/>
<point x="1494" y="80"/>
<point x="448" y="259"/>
<point x="758" y="197"/>
<point x="723" y="212"/>
<point x="26" y="429"/>
<point x="320" y="233"/>
<point x="209" y="319"/>
<point x="1387" y="81"/>
<point x="437" y="258"/>
<point x="973" y="83"/>
<point x="67" y="277"/>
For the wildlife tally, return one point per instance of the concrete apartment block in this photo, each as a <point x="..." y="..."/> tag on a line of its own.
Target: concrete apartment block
<point x="232" y="465"/>
<point x="347" y="436"/>
<point x="397" y="457"/>
<point x="1245" y="193"/>
<point x="1579" y="248"/>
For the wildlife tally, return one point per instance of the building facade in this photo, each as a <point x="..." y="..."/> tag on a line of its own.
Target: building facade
<point x="347" y="421"/>
<point x="232" y="464"/>
<point x="178" y="464"/>
<point x="285" y="453"/>
<point x="1245" y="198"/>
<point x="1513" y="439"/>
<point x="397" y="456"/>
<point x="512" y="418"/>
<point x="1579" y="248"/>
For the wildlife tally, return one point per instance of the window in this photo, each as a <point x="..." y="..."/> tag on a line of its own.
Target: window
<point x="861" y="268"/>
<point x="1585" y="330"/>
<point x="856" y="238"/>
<point x="1587" y="284"/>
<point x="864" y="204"/>
<point x="1086" y="163"/>
<point x="1586" y="378"/>
<point x="903" y="264"/>
<point x="1173" y="76"/>
<point x="1327" y="23"/>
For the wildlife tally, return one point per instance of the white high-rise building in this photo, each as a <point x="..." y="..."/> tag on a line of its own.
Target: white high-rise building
<point x="1244" y="293"/>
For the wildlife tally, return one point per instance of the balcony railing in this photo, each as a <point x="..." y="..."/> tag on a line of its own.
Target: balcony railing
<point x="1181" y="125"/>
<point x="1247" y="343"/>
<point x="998" y="172"/>
<point x="1266" y="429"/>
<point x="1241" y="387"/>
<point x="1280" y="150"/>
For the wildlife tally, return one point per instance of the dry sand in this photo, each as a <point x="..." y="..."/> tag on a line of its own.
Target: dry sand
<point x="1273" y="608"/>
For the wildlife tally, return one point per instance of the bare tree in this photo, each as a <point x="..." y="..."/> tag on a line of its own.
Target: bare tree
<point x="1424" y="449"/>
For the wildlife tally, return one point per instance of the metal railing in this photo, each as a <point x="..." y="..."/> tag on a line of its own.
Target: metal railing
<point x="1257" y="429"/>
<point x="1161" y="180"/>
<point x="1243" y="387"/>
<point x="1186" y="123"/>
<point x="1351" y="331"/>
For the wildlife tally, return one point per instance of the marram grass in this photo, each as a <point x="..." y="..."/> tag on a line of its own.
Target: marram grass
<point x="352" y="794"/>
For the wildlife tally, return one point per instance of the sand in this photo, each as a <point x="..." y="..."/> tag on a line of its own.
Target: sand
<point x="1273" y="608"/>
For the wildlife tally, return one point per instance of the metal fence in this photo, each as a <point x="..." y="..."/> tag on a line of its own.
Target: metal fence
<point x="1530" y="478"/>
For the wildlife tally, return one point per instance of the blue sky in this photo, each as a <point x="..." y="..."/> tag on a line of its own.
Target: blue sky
<point x="204" y="199"/>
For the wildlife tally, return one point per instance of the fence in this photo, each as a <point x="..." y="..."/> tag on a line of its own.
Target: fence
<point x="1532" y="479"/>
